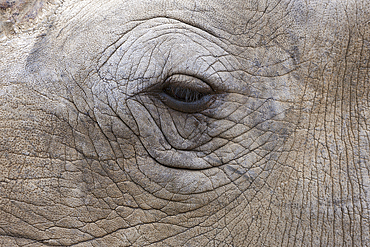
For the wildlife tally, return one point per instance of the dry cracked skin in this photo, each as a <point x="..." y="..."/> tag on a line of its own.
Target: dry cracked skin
<point x="185" y="123"/>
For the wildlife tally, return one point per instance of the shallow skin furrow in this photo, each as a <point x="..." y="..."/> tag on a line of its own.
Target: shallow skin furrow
<point x="184" y="123"/>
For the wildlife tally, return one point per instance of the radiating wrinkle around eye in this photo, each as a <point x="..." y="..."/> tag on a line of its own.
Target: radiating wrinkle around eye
<point x="152" y="52"/>
<point x="185" y="123"/>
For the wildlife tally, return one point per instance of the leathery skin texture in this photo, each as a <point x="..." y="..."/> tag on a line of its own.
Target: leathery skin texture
<point x="185" y="123"/>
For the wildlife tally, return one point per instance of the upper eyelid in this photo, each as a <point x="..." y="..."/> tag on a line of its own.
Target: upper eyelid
<point x="188" y="81"/>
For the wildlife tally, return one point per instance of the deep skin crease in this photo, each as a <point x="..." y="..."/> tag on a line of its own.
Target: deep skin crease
<point x="185" y="123"/>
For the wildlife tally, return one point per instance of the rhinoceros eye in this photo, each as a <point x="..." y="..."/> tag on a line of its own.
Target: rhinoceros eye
<point x="183" y="94"/>
<point x="186" y="93"/>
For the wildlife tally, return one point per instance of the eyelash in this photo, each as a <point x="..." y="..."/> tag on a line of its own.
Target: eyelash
<point x="183" y="94"/>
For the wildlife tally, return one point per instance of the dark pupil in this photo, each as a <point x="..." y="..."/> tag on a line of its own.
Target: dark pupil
<point x="183" y="94"/>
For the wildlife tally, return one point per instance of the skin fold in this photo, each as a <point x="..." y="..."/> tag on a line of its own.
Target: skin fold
<point x="185" y="123"/>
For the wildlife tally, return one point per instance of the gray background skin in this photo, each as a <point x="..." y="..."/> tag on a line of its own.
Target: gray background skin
<point x="88" y="157"/>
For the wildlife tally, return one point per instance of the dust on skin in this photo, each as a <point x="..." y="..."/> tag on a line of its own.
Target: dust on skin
<point x="19" y="15"/>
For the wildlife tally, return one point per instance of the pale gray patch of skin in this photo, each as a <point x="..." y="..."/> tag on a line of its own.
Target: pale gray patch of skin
<point x="279" y="158"/>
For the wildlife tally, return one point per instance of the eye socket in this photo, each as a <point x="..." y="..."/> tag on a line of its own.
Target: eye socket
<point x="186" y="94"/>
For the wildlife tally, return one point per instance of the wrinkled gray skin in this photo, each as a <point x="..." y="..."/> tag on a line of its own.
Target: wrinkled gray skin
<point x="92" y="153"/>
